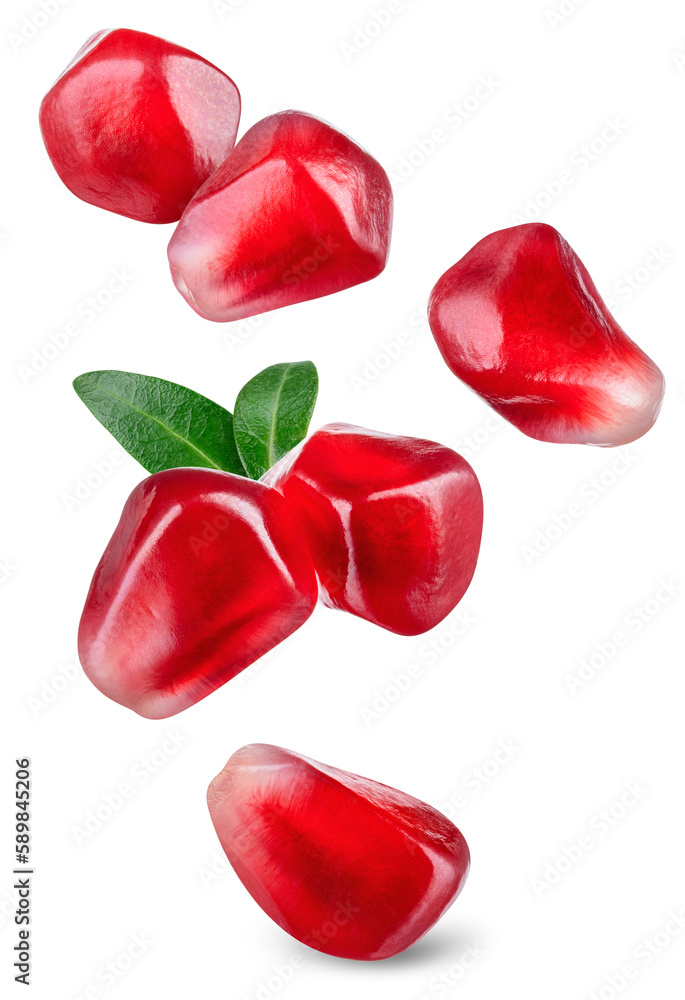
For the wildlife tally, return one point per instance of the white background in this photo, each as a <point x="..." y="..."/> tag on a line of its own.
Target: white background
<point x="145" y="871"/>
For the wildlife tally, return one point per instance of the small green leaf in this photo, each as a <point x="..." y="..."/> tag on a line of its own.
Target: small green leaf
<point x="272" y="413"/>
<point x="162" y="424"/>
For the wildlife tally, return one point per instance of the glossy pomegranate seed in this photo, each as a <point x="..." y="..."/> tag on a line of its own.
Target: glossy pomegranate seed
<point x="296" y="211"/>
<point x="393" y="523"/>
<point x="205" y="572"/>
<point x="520" y="321"/>
<point x="136" y="124"/>
<point x="346" y="865"/>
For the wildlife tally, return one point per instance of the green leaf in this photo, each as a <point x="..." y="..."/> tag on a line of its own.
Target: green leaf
<point x="272" y="413"/>
<point x="162" y="424"/>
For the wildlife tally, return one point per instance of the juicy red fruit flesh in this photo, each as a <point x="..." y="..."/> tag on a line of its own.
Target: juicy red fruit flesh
<point x="344" y="864"/>
<point x="393" y="523"/>
<point x="205" y="573"/>
<point x="136" y="124"/>
<point x="521" y="322"/>
<point x="297" y="210"/>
